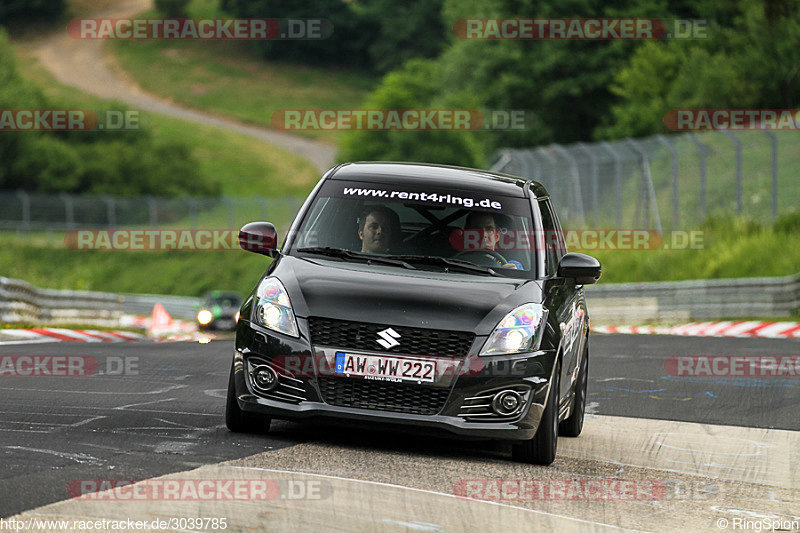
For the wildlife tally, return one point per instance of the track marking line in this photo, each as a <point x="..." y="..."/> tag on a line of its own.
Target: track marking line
<point x="32" y="341"/>
<point x="95" y="408"/>
<point x="77" y="457"/>
<point x="426" y="491"/>
<point x="104" y="393"/>
<point x="86" y="421"/>
<point x="144" y="403"/>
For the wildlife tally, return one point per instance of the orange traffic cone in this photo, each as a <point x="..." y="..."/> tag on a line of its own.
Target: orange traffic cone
<point x="160" y="320"/>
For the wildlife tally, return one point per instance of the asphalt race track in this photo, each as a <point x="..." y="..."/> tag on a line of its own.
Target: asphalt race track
<point x="628" y="379"/>
<point x="165" y="416"/>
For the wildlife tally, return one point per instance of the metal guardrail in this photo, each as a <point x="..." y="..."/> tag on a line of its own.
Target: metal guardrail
<point x="609" y="304"/>
<point x="22" y="302"/>
<point x="682" y="301"/>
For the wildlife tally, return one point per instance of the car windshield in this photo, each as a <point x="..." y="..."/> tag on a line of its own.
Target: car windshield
<point x="472" y="232"/>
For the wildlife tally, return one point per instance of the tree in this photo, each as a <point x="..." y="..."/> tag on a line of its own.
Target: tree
<point x="564" y="84"/>
<point x="408" y="29"/>
<point x="124" y="162"/>
<point x="29" y="9"/>
<point x="349" y="44"/>
<point x="753" y="63"/>
<point x="14" y="94"/>
<point x="415" y="86"/>
<point x="172" y="8"/>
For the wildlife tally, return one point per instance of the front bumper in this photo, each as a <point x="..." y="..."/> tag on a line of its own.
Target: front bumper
<point x="305" y="395"/>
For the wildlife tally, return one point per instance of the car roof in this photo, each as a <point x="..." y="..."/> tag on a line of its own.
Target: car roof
<point x="429" y="175"/>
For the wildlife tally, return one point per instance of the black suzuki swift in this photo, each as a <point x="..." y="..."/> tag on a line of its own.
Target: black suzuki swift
<point x="429" y="296"/>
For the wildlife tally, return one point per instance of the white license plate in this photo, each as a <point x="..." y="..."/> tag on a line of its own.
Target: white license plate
<point x="385" y="368"/>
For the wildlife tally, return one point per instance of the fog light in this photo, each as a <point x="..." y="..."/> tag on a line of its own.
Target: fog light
<point x="506" y="402"/>
<point x="264" y="378"/>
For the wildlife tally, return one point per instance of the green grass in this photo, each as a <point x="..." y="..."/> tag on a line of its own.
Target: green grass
<point x="790" y="318"/>
<point x="188" y="273"/>
<point x="228" y="78"/>
<point x="732" y="249"/>
<point x="245" y="166"/>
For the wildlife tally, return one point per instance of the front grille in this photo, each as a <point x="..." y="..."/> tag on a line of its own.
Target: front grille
<point x="412" y="341"/>
<point x="383" y="396"/>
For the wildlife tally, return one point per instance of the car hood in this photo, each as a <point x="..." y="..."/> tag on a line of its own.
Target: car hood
<point x="395" y="296"/>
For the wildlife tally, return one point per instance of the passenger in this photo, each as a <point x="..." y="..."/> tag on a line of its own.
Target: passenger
<point x="489" y="235"/>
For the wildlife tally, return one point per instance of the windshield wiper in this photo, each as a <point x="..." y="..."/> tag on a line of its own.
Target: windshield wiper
<point x="447" y="263"/>
<point x="349" y="254"/>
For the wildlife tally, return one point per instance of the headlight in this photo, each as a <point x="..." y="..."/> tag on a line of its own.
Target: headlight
<point x="205" y="317"/>
<point x="520" y="331"/>
<point x="272" y="308"/>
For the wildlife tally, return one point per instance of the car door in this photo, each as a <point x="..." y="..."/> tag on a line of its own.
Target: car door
<point x="563" y="298"/>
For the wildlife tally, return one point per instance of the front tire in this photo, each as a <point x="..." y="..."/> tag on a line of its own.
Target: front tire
<point x="541" y="449"/>
<point x="240" y="421"/>
<point x="572" y="426"/>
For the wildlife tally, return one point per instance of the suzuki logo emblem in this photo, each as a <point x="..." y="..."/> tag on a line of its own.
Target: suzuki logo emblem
<point x="387" y="338"/>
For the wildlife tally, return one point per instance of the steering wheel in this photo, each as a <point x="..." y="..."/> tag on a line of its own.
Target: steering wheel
<point x="482" y="254"/>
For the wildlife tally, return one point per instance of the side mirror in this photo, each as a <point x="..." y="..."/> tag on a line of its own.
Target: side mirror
<point x="260" y="238"/>
<point x="584" y="269"/>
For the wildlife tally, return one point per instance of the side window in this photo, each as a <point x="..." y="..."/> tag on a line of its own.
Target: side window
<point x="553" y="238"/>
<point x="561" y="243"/>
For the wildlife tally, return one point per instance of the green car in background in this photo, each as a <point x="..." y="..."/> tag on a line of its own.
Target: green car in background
<point x="219" y="310"/>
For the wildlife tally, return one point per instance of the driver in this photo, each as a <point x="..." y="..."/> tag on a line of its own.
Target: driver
<point x="489" y="235"/>
<point x="375" y="229"/>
